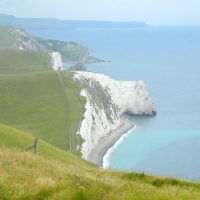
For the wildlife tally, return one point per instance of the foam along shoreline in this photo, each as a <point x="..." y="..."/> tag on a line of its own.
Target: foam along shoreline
<point x="101" y="148"/>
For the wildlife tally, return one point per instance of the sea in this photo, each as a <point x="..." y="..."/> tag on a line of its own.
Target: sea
<point x="167" y="59"/>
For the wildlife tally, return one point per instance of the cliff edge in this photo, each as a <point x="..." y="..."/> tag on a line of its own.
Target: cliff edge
<point x="56" y="62"/>
<point x="107" y="99"/>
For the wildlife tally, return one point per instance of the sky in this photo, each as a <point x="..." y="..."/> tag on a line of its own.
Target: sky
<point x="152" y="12"/>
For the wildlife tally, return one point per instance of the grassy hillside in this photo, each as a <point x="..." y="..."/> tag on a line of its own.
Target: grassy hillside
<point x="47" y="105"/>
<point x="17" y="38"/>
<point x="70" y="51"/>
<point x="13" y="138"/>
<point x="56" y="174"/>
<point x="24" y="62"/>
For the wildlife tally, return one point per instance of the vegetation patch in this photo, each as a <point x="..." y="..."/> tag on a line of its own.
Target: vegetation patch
<point x="13" y="138"/>
<point x="24" y="62"/>
<point x="27" y="176"/>
<point x="47" y="105"/>
<point x="70" y="51"/>
<point x="17" y="38"/>
<point x="75" y="109"/>
<point x="159" y="181"/>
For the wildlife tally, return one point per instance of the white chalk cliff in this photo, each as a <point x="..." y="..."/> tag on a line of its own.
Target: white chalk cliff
<point x="56" y="62"/>
<point x="106" y="100"/>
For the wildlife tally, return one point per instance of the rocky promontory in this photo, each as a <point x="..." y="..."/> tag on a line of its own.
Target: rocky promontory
<point x="56" y="62"/>
<point x="107" y="100"/>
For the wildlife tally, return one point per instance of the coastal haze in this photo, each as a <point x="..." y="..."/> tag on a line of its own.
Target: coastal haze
<point x="165" y="12"/>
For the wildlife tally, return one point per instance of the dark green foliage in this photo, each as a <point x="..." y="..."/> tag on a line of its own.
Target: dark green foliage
<point x="158" y="182"/>
<point x="162" y="182"/>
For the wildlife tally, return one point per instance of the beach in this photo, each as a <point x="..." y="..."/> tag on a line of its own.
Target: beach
<point x="101" y="148"/>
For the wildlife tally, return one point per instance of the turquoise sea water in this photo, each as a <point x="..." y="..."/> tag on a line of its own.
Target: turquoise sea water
<point x="167" y="59"/>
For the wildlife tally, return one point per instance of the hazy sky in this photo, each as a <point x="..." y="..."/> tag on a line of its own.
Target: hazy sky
<point x="150" y="11"/>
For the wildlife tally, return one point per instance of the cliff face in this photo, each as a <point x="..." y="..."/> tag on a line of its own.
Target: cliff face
<point x="107" y="99"/>
<point x="24" y="41"/>
<point x="56" y="62"/>
<point x="17" y="38"/>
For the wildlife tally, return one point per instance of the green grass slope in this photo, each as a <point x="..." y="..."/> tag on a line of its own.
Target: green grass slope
<point x="24" y="62"/>
<point x="47" y="105"/>
<point x="17" y="38"/>
<point x="70" y="51"/>
<point x="56" y="174"/>
<point x="13" y="138"/>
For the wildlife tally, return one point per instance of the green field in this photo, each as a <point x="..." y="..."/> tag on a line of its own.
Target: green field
<point x="56" y="174"/>
<point x="16" y="139"/>
<point x="14" y="37"/>
<point x="24" y="62"/>
<point x="47" y="105"/>
<point x="36" y="99"/>
<point x="70" y="51"/>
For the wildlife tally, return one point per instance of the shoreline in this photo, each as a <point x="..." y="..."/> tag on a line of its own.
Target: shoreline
<point x="101" y="148"/>
<point x="88" y="62"/>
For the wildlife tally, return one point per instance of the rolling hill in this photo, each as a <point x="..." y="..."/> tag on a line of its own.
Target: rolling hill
<point x="14" y="38"/>
<point x="70" y="51"/>
<point x="33" y="96"/>
<point x="56" y="174"/>
<point x="24" y="62"/>
<point x="17" y="38"/>
<point x="47" y="105"/>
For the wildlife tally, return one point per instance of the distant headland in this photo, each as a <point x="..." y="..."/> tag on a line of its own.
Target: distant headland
<point x="55" y="24"/>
